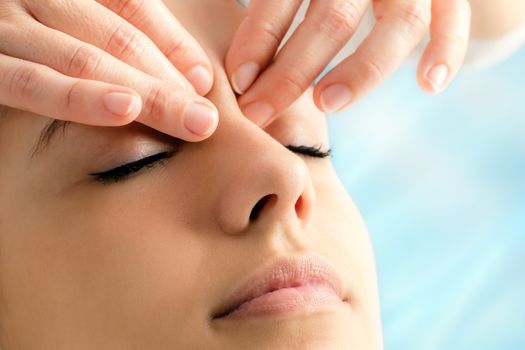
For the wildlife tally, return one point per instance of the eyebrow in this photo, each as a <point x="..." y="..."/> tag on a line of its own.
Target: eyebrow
<point x="49" y="131"/>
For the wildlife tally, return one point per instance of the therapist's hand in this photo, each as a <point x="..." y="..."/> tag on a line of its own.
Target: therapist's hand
<point x="329" y="24"/>
<point x="105" y="62"/>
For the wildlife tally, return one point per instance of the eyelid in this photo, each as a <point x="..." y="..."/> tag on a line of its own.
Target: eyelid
<point x="124" y="171"/>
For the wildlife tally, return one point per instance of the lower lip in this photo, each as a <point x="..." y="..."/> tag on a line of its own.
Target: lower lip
<point x="307" y="298"/>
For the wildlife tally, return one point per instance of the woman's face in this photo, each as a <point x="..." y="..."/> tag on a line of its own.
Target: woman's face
<point x="145" y="260"/>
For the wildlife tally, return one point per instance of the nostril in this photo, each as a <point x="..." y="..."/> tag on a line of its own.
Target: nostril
<point x="299" y="205"/>
<point x="259" y="206"/>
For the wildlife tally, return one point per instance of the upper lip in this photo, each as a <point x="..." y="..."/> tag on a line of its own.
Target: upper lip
<point x="283" y="272"/>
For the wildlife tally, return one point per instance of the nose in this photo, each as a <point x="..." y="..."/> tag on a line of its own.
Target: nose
<point x="264" y="182"/>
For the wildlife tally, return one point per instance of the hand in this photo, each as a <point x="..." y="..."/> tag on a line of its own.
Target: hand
<point x="329" y="24"/>
<point x="105" y="62"/>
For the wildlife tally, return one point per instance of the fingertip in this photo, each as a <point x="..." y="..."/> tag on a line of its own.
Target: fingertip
<point x="244" y="77"/>
<point x="259" y="112"/>
<point x="334" y="97"/>
<point x="201" y="78"/>
<point x="200" y="120"/>
<point x="123" y="106"/>
<point x="434" y="78"/>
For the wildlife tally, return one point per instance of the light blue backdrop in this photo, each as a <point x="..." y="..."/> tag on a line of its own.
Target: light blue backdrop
<point x="441" y="184"/>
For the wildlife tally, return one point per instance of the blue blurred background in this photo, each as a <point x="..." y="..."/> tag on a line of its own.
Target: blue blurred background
<point x="440" y="182"/>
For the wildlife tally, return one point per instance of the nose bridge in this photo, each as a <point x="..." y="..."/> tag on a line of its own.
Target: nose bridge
<point x="262" y="179"/>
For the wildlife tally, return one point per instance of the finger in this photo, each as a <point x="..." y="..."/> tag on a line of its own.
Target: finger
<point x="42" y="90"/>
<point x="102" y="28"/>
<point x="327" y="27"/>
<point x="449" y="33"/>
<point x="154" y="19"/>
<point x="400" y="25"/>
<point x="257" y="40"/>
<point x="166" y="107"/>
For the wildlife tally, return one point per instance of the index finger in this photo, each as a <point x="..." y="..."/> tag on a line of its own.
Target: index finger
<point x="400" y="25"/>
<point x="155" y="20"/>
<point x="95" y="24"/>
<point x="257" y="39"/>
<point x="449" y="34"/>
<point x="327" y="27"/>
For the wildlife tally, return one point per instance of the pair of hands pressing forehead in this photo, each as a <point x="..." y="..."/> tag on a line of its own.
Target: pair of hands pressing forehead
<point x="126" y="68"/>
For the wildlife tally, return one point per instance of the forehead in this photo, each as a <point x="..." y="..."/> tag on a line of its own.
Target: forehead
<point x="212" y="23"/>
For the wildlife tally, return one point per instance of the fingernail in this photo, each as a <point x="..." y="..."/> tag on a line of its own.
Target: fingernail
<point x="121" y="103"/>
<point x="201" y="79"/>
<point x="258" y="112"/>
<point x="244" y="77"/>
<point x="200" y="119"/>
<point x="437" y="77"/>
<point x="244" y="3"/>
<point x="335" y="97"/>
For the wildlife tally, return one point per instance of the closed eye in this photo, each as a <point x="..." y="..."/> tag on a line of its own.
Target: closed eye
<point x="122" y="172"/>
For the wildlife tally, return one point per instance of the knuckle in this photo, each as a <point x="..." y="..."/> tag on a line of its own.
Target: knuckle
<point x="74" y="92"/>
<point x="136" y="11"/>
<point x="24" y="82"/>
<point x="295" y="81"/>
<point x="415" y="15"/>
<point x="84" y="62"/>
<point x="455" y="40"/>
<point x="9" y="21"/>
<point x="341" y="19"/>
<point x="178" y="47"/>
<point x="125" y="42"/>
<point x="155" y="102"/>
<point x="8" y="16"/>
<point x="268" y="32"/>
<point x="372" y="70"/>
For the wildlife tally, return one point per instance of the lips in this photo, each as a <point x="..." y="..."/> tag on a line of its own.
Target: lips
<point x="308" y="274"/>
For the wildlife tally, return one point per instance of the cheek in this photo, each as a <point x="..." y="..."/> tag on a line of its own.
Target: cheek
<point x="144" y="257"/>
<point x="340" y="233"/>
<point x="102" y="264"/>
<point x="340" y="228"/>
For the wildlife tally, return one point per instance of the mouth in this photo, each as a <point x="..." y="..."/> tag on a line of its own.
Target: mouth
<point x="306" y="283"/>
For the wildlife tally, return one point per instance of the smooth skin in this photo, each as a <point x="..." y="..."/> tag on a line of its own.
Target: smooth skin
<point x="145" y="263"/>
<point x="114" y="61"/>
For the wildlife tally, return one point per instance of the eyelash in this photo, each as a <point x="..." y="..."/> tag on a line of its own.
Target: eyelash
<point x="310" y="151"/>
<point x="122" y="172"/>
